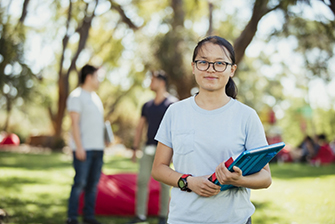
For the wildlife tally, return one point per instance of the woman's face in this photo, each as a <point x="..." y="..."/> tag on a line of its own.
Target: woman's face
<point x="211" y="80"/>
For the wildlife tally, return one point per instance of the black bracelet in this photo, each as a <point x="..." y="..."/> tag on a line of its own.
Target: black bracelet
<point x="134" y="148"/>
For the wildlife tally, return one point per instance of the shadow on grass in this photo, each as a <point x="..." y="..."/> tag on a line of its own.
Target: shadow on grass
<point x="53" y="161"/>
<point x="32" y="161"/>
<point x="297" y="170"/>
<point x="16" y="183"/>
<point x="34" y="211"/>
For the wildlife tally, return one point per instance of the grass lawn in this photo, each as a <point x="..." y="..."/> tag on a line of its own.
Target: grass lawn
<point x="34" y="188"/>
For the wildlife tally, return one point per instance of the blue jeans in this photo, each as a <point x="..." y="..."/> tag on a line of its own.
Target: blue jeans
<point x="86" y="178"/>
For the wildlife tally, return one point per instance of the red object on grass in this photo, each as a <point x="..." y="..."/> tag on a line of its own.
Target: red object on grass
<point x="10" y="139"/>
<point x="116" y="195"/>
<point x="324" y="155"/>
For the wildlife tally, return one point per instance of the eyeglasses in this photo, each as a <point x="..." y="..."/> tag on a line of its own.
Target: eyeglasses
<point x="218" y="66"/>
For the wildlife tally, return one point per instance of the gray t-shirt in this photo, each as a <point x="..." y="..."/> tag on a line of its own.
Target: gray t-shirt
<point x="200" y="140"/>
<point x="90" y="108"/>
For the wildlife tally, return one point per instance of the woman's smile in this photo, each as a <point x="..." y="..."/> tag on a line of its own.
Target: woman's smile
<point x="210" y="77"/>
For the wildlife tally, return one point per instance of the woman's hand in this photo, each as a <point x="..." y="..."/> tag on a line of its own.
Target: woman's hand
<point x="224" y="176"/>
<point x="202" y="186"/>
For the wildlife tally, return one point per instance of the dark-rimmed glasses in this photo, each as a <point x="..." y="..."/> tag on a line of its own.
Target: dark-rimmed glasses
<point x="218" y="66"/>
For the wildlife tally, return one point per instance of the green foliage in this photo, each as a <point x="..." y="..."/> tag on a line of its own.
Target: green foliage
<point x="144" y="35"/>
<point x="35" y="188"/>
<point x="16" y="78"/>
<point x="315" y="43"/>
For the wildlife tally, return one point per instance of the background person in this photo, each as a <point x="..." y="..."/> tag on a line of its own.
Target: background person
<point x="307" y="149"/>
<point x="86" y="113"/>
<point x="151" y="116"/>
<point x="325" y="154"/>
<point x="203" y="131"/>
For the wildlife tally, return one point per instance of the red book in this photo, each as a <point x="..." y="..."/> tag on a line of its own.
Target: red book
<point x="227" y="164"/>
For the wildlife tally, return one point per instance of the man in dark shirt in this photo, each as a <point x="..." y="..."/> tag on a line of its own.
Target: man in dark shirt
<point x="152" y="114"/>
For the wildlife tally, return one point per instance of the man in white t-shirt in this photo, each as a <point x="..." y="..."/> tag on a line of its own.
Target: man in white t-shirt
<point x="87" y="141"/>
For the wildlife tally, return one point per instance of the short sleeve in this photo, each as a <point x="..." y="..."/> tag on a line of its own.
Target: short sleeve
<point x="254" y="132"/>
<point x="73" y="104"/>
<point x="143" y="112"/>
<point x="164" y="131"/>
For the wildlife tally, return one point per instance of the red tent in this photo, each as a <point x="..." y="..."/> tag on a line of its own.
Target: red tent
<point x="10" y="139"/>
<point x="116" y="195"/>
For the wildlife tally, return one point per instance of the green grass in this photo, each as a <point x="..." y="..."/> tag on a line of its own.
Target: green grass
<point x="34" y="188"/>
<point x="299" y="194"/>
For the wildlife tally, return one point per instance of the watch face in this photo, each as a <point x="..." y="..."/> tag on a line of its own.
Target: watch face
<point x="181" y="183"/>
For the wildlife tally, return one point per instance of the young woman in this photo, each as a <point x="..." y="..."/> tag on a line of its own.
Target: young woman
<point x="199" y="134"/>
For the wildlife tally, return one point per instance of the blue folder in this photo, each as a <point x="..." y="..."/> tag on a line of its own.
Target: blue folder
<point x="251" y="161"/>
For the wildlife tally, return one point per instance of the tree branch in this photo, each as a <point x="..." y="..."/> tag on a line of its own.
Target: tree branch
<point x="124" y="18"/>
<point x="112" y="107"/>
<point x="65" y="39"/>
<point x="83" y="31"/>
<point x="24" y="11"/>
<point x="242" y="42"/>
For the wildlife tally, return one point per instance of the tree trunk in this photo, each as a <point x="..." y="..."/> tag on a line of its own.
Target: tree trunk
<point x="63" y="82"/>
<point x="8" y="110"/>
<point x="63" y="85"/>
<point x="210" y="19"/>
<point x="182" y="81"/>
<point x="184" y="86"/>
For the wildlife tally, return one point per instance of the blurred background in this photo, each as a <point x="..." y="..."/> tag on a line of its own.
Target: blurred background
<point x="284" y="49"/>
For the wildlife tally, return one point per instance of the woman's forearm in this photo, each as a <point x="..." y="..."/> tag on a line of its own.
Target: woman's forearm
<point x="165" y="174"/>
<point x="161" y="170"/>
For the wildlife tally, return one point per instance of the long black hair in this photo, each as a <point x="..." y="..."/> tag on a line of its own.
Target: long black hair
<point x="231" y="88"/>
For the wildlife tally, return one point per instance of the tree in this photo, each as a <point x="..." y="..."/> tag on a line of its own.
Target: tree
<point x="102" y="37"/>
<point x="82" y="29"/>
<point x="16" y="78"/>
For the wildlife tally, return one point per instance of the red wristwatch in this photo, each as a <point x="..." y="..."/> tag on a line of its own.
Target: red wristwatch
<point x="182" y="183"/>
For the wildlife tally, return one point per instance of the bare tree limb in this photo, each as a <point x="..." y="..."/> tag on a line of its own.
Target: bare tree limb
<point x="112" y="107"/>
<point x="65" y="38"/>
<point x="83" y="31"/>
<point x="124" y="18"/>
<point x="24" y="11"/>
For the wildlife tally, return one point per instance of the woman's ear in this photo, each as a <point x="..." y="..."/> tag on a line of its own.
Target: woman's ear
<point x="193" y="67"/>
<point x="232" y="70"/>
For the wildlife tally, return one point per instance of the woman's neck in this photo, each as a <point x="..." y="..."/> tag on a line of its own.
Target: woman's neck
<point x="211" y="100"/>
